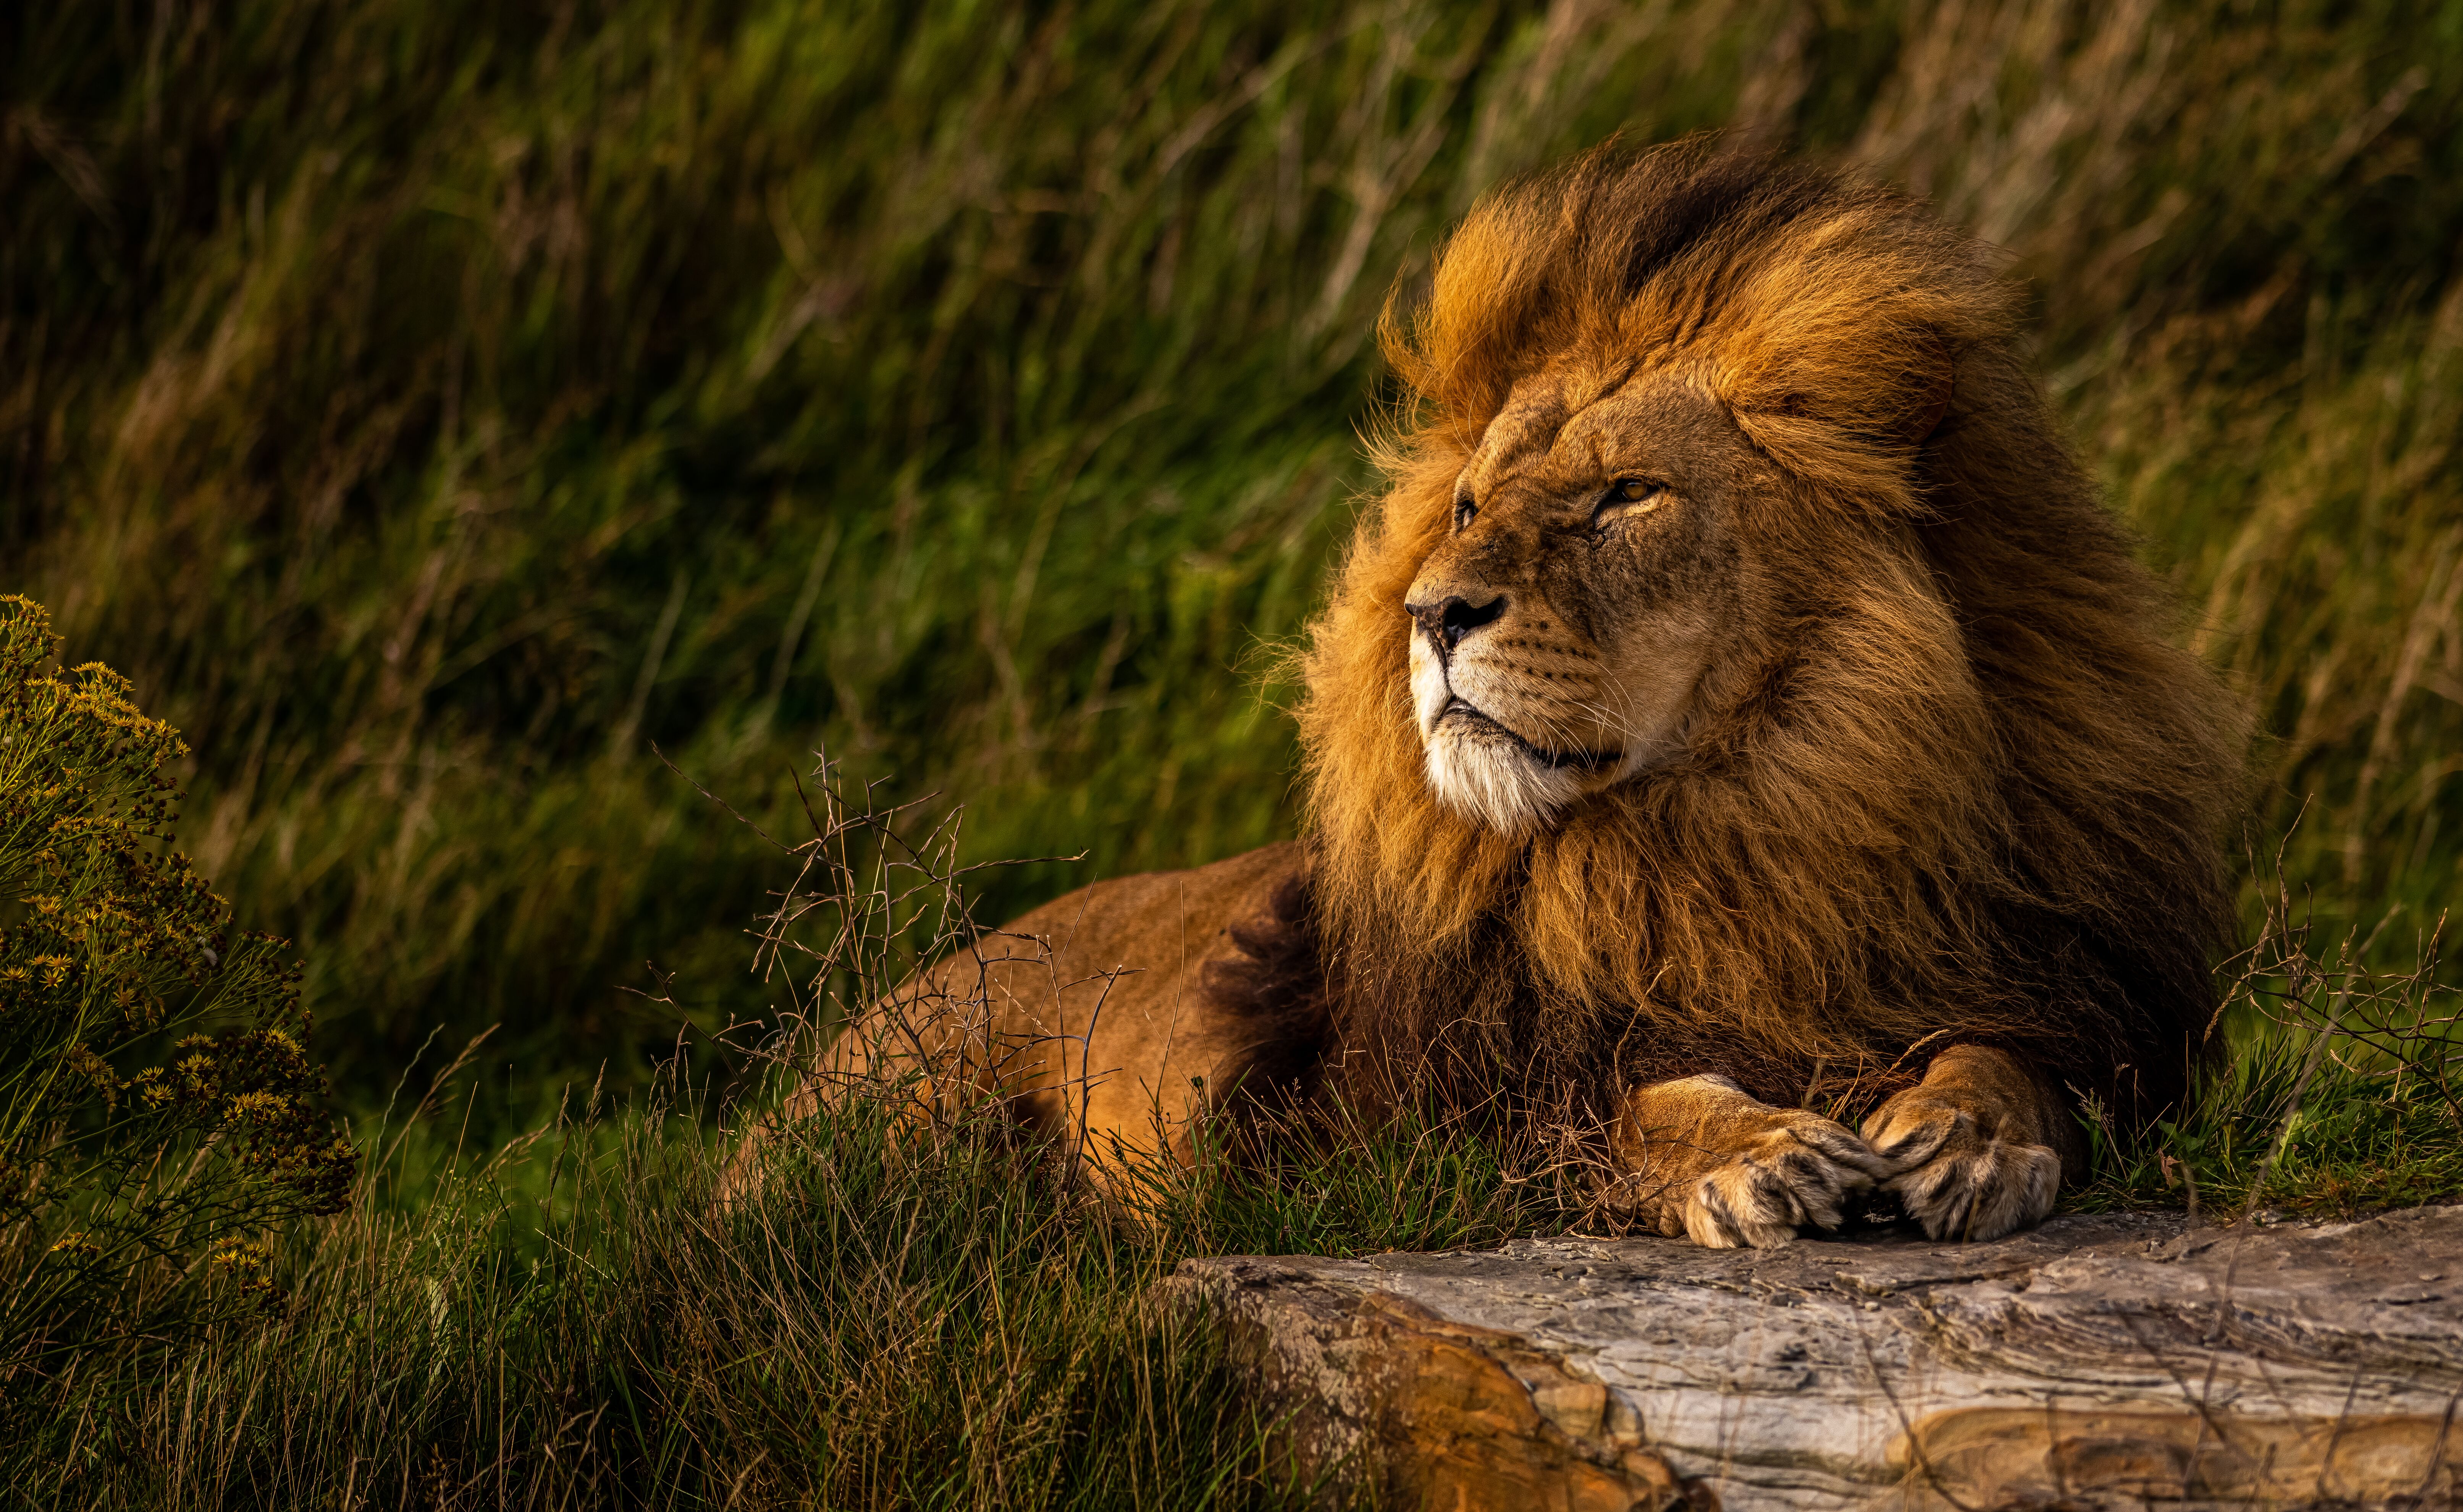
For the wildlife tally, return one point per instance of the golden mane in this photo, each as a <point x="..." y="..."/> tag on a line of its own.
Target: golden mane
<point x="1964" y="786"/>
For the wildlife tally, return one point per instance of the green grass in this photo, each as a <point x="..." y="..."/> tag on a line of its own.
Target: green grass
<point x="2342" y="1094"/>
<point x="433" y="403"/>
<point x="576" y="1323"/>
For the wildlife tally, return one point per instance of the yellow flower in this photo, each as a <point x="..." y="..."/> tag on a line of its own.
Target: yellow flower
<point x="255" y="1108"/>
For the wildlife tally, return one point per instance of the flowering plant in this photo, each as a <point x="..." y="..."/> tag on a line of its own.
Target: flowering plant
<point x="160" y="1117"/>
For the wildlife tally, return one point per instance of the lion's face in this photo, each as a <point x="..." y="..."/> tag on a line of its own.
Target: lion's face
<point x="1594" y="568"/>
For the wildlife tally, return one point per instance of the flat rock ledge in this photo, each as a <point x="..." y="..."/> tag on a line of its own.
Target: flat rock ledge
<point x="2120" y="1361"/>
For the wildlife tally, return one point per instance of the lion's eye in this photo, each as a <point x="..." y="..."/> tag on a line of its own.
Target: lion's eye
<point x="1464" y="510"/>
<point x="1625" y="497"/>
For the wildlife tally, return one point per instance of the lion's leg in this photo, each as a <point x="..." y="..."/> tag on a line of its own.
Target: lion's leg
<point x="1976" y="1148"/>
<point x="1698" y="1157"/>
<point x="1091" y="1021"/>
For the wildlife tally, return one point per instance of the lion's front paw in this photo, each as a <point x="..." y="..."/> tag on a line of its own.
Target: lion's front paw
<point x="1800" y="1172"/>
<point x="1956" y="1177"/>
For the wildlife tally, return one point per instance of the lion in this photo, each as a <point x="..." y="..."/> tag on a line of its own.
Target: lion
<point x="1737" y="700"/>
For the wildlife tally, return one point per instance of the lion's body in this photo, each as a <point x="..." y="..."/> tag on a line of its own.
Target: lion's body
<point x="1740" y="688"/>
<point x="1099" y="1015"/>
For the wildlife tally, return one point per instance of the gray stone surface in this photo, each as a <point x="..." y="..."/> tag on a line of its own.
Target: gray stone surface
<point x="2108" y="1361"/>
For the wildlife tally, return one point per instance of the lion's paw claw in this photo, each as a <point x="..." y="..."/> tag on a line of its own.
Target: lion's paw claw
<point x="1956" y="1180"/>
<point x="1795" y="1179"/>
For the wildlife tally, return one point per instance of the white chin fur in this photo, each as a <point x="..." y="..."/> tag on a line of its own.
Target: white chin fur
<point x="1486" y="779"/>
<point x="1490" y="782"/>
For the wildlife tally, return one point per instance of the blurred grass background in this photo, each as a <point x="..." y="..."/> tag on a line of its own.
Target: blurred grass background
<point x="432" y="404"/>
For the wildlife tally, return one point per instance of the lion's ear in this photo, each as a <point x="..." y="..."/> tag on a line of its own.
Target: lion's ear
<point x="1806" y="408"/>
<point x="1931" y="397"/>
<point x="1903" y="400"/>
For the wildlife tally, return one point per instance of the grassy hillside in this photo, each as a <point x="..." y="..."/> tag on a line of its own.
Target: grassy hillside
<point x="432" y="404"/>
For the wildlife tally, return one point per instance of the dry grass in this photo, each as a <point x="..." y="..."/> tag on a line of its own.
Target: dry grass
<point x="578" y="1323"/>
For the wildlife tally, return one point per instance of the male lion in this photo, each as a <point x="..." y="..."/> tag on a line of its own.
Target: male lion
<point x="1740" y="694"/>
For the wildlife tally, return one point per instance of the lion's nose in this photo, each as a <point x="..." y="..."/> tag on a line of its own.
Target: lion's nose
<point x="1447" y="622"/>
